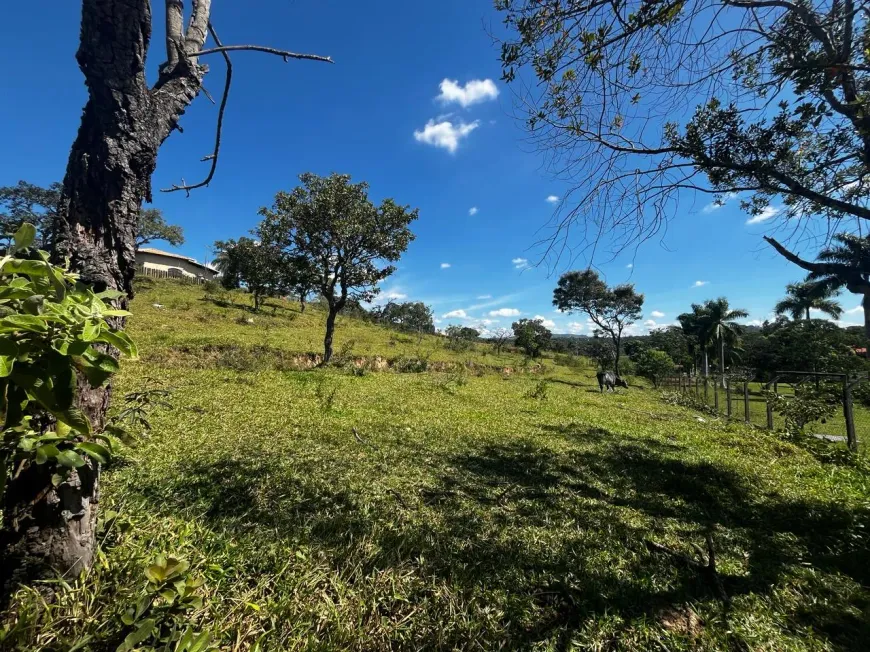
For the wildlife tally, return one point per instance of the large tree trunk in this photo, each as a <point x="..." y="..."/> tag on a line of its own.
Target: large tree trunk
<point x="50" y="529"/>
<point x="330" y="331"/>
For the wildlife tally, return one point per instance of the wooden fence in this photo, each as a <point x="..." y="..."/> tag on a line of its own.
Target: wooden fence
<point x="740" y="398"/>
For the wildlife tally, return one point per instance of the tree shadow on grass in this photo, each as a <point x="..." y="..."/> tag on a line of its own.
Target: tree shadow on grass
<point x="560" y="533"/>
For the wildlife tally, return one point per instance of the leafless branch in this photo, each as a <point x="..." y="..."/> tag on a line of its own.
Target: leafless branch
<point x="219" y="129"/>
<point x="285" y="54"/>
<point x="174" y="26"/>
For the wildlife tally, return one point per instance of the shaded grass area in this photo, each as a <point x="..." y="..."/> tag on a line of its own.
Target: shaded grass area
<point x="429" y="511"/>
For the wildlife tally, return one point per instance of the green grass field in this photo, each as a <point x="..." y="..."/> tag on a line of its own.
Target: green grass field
<point x="477" y="510"/>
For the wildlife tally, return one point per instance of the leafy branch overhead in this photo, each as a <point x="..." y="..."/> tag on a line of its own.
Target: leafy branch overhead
<point x="774" y="94"/>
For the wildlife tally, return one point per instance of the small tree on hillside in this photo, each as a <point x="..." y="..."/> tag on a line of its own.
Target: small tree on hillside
<point x="333" y="224"/>
<point x="153" y="226"/>
<point x="460" y="338"/>
<point x="610" y="309"/>
<point x="531" y="336"/>
<point x="500" y="338"/>
<point x="654" y="365"/>
<point x="413" y="316"/>
<point x="253" y="264"/>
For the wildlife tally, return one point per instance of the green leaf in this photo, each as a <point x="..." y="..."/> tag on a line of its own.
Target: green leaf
<point x="32" y="305"/>
<point x="121" y="341"/>
<point x="97" y="451"/>
<point x="56" y="479"/>
<point x="140" y="634"/>
<point x="6" y="364"/>
<point x="30" y="323"/>
<point x="46" y="452"/>
<point x="8" y="347"/>
<point x="110" y="295"/>
<point x="74" y="418"/>
<point x="32" y="268"/>
<point x="90" y="330"/>
<point x="70" y="459"/>
<point x="117" y="313"/>
<point x="24" y="236"/>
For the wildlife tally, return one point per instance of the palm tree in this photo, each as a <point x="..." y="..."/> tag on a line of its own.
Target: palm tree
<point x="802" y="297"/>
<point x="721" y="327"/>
<point x="843" y="264"/>
<point x="694" y="325"/>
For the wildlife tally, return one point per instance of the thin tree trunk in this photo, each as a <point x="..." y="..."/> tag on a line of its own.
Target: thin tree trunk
<point x="722" y="359"/>
<point x="330" y="331"/>
<point x="302" y="302"/>
<point x="49" y="529"/>
<point x="616" y="343"/>
<point x="808" y="313"/>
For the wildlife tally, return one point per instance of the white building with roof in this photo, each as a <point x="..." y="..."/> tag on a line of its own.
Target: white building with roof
<point x="155" y="262"/>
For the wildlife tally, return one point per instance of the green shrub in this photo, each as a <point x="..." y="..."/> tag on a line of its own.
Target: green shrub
<point x="52" y="328"/>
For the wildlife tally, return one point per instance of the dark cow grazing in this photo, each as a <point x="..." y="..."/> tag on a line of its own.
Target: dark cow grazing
<point x="610" y="380"/>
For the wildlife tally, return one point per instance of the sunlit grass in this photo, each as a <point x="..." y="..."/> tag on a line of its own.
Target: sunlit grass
<point x="455" y="510"/>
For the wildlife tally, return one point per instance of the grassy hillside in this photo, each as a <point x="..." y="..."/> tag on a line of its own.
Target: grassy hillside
<point x="481" y="510"/>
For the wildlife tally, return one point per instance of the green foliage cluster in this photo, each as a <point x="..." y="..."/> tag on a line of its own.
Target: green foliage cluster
<point x="460" y="338"/>
<point x="52" y="328"/>
<point x="654" y="365"/>
<point x="414" y="316"/>
<point x="531" y="336"/>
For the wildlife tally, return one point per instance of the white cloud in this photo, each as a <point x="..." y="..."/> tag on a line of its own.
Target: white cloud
<point x="445" y="134"/>
<point x="715" y="206"/>
<point x="657" y="314"/>
<point x="504" y="312"/>
<point x="445" y="265"/>
<point x="629" y="266"/>
<point x="472" y="210"/>
<point x="455" y="314"/>
<point x="548" y="323"/>
<point x="698" y="284"/>
<point x="575" y="327"/>
<point x="650" y="323"/>
<point x="755" y="322"/>
<point x="520" y="263"/>
<point x="395" y="296"/>
<point x="474" y="92"/>
<point x="484" y="296"/>
<point x="552" y="199"/>
<point x="763" y="216"/>
<point x="854" y="311"/>
<point x="488" y="322"/>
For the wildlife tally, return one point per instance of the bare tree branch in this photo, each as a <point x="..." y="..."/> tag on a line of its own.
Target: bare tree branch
<point x="218" y="130"/>
<point x="259" y="48"/>
<point x="174" y="27"/>
<point x="197" y="29"/>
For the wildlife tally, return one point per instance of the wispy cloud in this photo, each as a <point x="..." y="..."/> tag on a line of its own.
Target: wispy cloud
<point x="650" y="323"/>
<point x="552" y="199"/>
<point x="629" y="266"/>
<point x="445" y="134"/>
<point x="472" y="210"/>
<point x="473" y="92"/>
<point x="856" y="310"/>
<point x="766" y="214"/>
<point x="698" y="284"/>
<point x="445" y="265"/>
<point x="657" y="314"/>
<point x="717" y="204"/>
<point x="575" y="327"/>
<point x="504" y="312"/>
<point x="520" y="263"/>
<point x="484" y="296"/>
<point x="455" y="314"/>
<point x="548" y="323"/>
<point x="491" y="303"/>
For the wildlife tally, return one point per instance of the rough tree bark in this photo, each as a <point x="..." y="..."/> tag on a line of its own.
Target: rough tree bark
<point x="51" y="530"/>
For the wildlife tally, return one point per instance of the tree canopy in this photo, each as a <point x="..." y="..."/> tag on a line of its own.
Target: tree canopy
<point x="413" y="316"/>
<point x="802" y="297"/>
<point x="531" y="336"/>
<point x="346" y="239"/>
<point x="638" y="101"/>
<point x="612" y="310"/>
<point x="29" y="203"/>
<point x="153" y="226"/>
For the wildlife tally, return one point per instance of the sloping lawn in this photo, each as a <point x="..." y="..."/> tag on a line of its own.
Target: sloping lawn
<point x="330" y="511"/>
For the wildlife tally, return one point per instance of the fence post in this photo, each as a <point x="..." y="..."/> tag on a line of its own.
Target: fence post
<point x="706" y="393"/>
<point x="746" y="400"/>
<point x="715" y="395"/>
<point x="769" y="409"/>
<point x="727" y="397"/>
<point x="851" y="439"/>
<point x="697" y="389"/>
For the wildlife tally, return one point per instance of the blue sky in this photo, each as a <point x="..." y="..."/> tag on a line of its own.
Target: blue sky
<point x="415" y="106"/>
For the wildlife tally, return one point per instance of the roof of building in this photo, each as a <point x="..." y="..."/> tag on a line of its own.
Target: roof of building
<point x="169" y="254"/>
